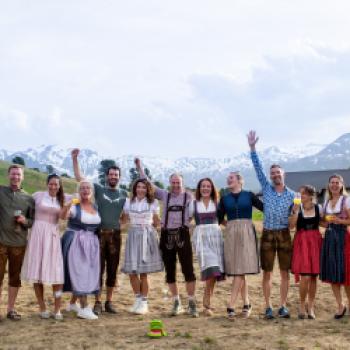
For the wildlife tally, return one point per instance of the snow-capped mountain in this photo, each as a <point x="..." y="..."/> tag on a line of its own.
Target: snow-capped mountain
<point x="310" y="157"/>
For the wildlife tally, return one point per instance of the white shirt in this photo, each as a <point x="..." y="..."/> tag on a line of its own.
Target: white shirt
<point x="86" y="218"/>
<point x="201" y="208"/>
<point x="141" y="205"/>
<point x="337" y="208"/>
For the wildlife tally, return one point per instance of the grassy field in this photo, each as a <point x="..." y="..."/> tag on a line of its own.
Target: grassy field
<point x="33" y="180"/>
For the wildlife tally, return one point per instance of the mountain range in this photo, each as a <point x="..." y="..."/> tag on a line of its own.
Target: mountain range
<point x="335" y="155"/>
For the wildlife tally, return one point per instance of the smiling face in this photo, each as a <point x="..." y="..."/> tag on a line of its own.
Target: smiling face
<point x="113" y="177"/>
<point x="335" y="186"/>
<point x="205" y="189"/>
<point x="53" y="186"/>
<point x="305" y="196"/>
<point x="15" y="176"/>
<point x="233" y="181"/>
<point x="141" y="190"/>
<point x="85" y="191"/>
<point x="277" y="176"/>
<point x="176" y="184"/>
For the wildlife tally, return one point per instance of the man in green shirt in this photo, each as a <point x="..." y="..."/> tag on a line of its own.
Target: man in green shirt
<point x="16" y="216"/>
<point x="110" y="202"/>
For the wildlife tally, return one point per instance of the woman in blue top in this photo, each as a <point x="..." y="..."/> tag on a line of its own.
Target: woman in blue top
<point x="240" y="244"/>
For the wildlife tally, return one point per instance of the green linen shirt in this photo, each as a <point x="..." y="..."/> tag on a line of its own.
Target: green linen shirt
<point x="110" y="203"/>
<point x="12" y="234"/>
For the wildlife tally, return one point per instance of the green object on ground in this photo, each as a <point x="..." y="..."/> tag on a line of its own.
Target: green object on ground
<point x="156" y="329"/>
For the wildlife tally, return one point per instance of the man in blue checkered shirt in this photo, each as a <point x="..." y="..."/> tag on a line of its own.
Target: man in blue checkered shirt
<point x="278" y="201"/>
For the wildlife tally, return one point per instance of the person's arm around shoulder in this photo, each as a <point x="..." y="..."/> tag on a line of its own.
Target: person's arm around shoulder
<point x="76" y="168"/>
<point x="66" y="210"/>
<point x="252" y="141"/>
<point x="257" y="202"/>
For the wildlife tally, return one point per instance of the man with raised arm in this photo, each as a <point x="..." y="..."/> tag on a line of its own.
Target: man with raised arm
<point x="16" y="217"/>
<point x="175" y="239"/>
<point x="110" y="201"/>
<point x="278" y="200"/>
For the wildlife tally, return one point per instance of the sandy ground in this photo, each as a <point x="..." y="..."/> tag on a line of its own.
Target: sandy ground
<point x="126" y="331"/>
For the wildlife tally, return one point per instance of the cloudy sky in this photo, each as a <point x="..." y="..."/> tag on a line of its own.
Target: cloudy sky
<point x="173" y="78"/>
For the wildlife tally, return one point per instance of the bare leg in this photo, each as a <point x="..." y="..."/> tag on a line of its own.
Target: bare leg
<point x="83" y="301"/>
<point x="338" y="297"/>
<point x="244" y="291"/>
<point x="73" y="299"/>
<point x="57" y="288"/>
<point x="12" y="295"/>
<point x="237" y="284"/>
<point x="191" y="288"/>
<point x="347" y="291"/>
<point x="284" y="286"/>
<point x="303" y="291"/>
<point x="208" y="291"/>
<point x="144" y="284"/>
<point x="173" y="289"/>
<point x="39" y="293"/>
<point x="312" y="294"/>
<point x="135" y="283"/>
<point x="109" y="293"/>
<point x="267" y="285"/>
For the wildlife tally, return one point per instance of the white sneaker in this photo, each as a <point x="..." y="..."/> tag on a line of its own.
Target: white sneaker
<point x="58" y="316"/>
<point x="142" y="307"/>
<point x="135" y="306"/>
<point x="87" y="314"/>
<point x="73" y="308"/>
<point x="45" y="315"/>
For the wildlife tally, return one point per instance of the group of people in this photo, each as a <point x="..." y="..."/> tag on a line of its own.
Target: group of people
<point x="223" y="239"/>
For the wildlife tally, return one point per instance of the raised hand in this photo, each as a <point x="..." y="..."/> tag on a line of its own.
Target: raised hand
<point x="252" y="139"/>
<point x="137" y="162"/>
<point x="75" y="152"/>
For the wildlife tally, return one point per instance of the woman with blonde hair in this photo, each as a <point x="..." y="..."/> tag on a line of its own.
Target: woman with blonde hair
<point x="240" y="244"/>
<point x="335" y="257"/>
<point x="81" y="250"/>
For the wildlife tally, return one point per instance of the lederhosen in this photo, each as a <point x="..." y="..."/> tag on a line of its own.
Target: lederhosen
<point x="176" y="241"/>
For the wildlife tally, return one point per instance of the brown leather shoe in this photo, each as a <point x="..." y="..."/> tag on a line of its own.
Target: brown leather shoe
<point x="110" y="308"/>
<point x="97" y="308"/>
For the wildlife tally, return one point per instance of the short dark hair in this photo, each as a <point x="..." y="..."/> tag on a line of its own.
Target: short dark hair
<point x="114" y="167"/>
<point x="275" y="166"/>
<point x="309" y="189"/>
<point x="14" y="166"/>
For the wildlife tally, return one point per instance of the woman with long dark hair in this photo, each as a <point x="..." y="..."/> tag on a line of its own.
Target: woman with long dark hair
<point x="335" y="257"/>
<point x="207" y="239"/>
<point x="305" y="217"/>
<point x="43" y="262"/>
<point x="142" y="254"/>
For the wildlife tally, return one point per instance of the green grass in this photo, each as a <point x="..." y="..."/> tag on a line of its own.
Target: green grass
<point x="34" y="181"/>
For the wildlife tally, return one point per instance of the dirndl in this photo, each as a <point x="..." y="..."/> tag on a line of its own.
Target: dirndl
<point x="240" y="248"/>
<point x="307" y="246"/>
<point x="335" y="256"/>
<point x="142" y="254"/>
<point x="208" y="245"/>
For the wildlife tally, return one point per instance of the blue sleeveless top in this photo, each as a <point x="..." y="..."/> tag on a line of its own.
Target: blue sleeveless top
<point x="75" y="224"/>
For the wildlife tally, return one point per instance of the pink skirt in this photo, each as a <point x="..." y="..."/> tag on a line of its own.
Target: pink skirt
<point x="43" y="262"/>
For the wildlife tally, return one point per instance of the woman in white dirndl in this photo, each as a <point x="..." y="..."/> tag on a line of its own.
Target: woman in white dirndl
<point x="207" y="239"/>
<point x="142" y="254"/>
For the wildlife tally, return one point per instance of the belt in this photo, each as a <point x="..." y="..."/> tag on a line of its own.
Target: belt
<point x="175" y="230"/>
<point x="275" y="231"/>
<point x="104" y="230"/>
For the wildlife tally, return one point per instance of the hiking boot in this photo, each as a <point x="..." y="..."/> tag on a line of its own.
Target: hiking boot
<point x="97" y="308"/>
<point x="177" y="308"/>
<point x="192" y="308"/>
<point x="110" y="308"/>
